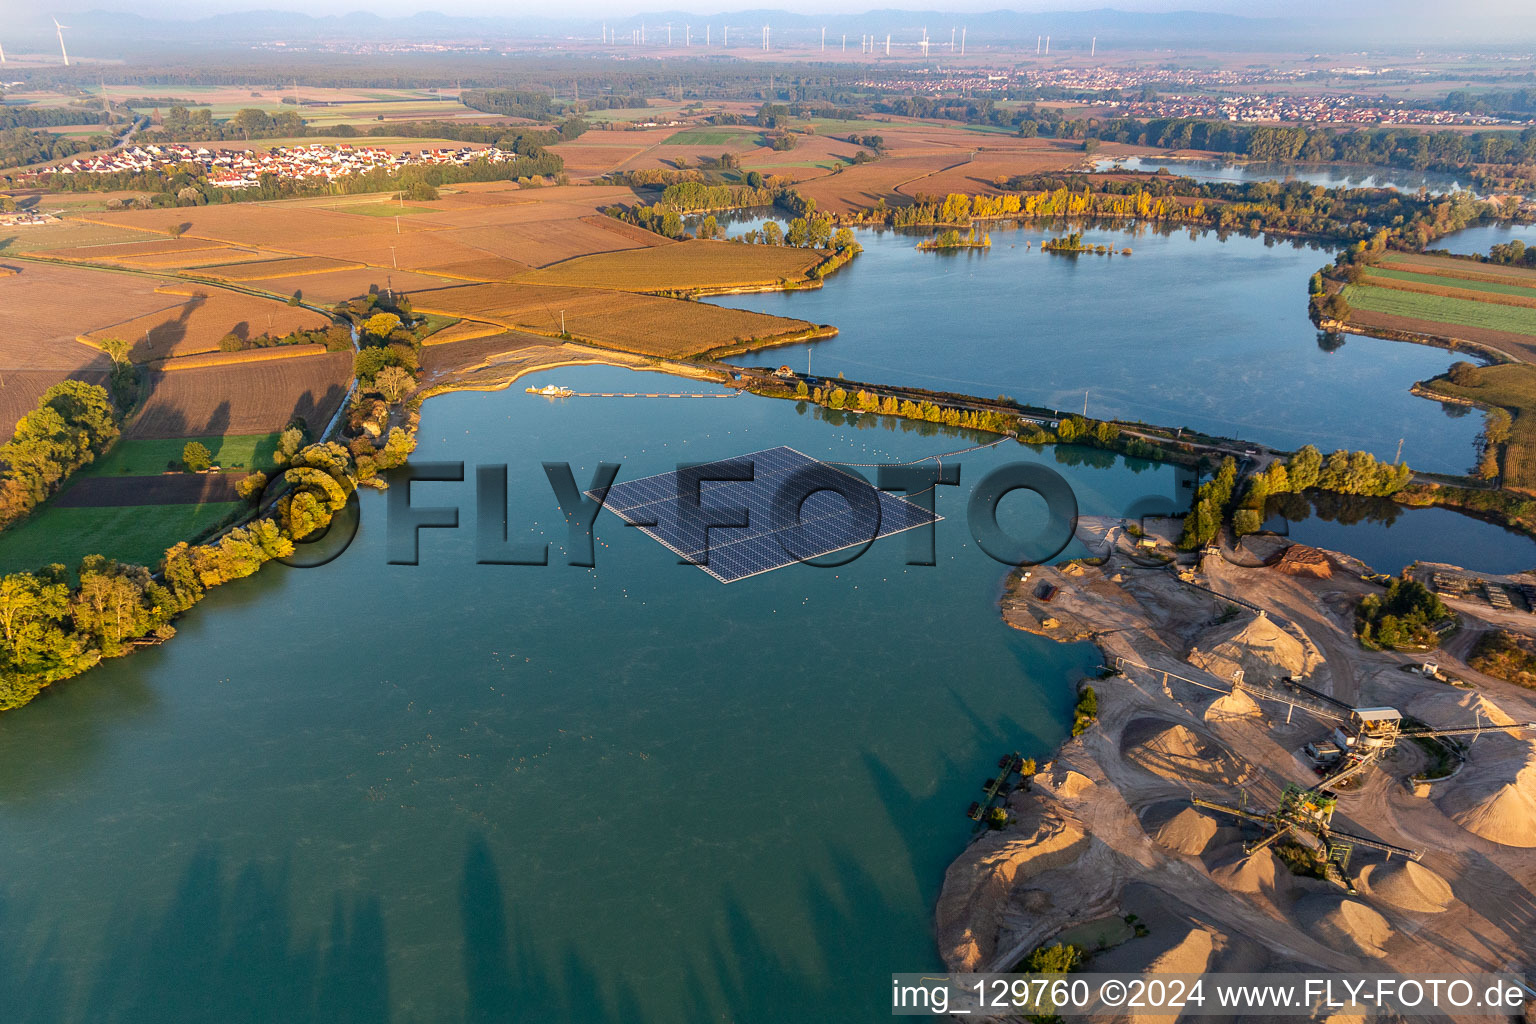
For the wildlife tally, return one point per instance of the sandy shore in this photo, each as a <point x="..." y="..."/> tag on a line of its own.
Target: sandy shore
<point x="1108" y="827"/>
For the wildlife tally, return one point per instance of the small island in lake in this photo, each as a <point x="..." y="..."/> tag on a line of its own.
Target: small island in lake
<point x="1073" y="245"/>
<point x="952" y="239"/>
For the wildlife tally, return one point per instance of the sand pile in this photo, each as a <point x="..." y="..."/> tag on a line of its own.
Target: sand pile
<point x="1494" y="796"/>
<point x="1064" y="783"/>
<point x="981" y="887"/>
<point x="1349" y="926"/>
<point x="1407" y="885"/>
<point x="1262" y="650"/>
<point x="1175" y="751"/>
<point x="1450" y="708"/>
<point x="1261" y="872"/>
<point x="1179" y="827"/>
<point x="1301" y="560"/>
<point x="1236" y="704"/>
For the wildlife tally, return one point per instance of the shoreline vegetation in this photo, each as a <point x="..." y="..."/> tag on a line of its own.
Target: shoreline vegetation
<point x="1072" y="244"/>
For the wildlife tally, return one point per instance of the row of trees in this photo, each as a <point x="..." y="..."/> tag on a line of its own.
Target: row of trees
<point x="74" y="422"/>
<point x="335" y="338"/>
<point x="52" y="630"/>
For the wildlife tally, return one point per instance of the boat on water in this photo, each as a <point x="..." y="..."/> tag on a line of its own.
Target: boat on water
<point x="552" y="391"/>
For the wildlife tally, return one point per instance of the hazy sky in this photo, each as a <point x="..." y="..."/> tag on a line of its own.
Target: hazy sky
<point x="1401" y="12"/>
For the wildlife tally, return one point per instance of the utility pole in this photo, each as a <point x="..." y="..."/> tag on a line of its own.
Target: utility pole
<point x="393" y="259"/>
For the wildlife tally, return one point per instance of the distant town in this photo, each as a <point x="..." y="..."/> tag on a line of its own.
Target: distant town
<point x="244" y="168"/>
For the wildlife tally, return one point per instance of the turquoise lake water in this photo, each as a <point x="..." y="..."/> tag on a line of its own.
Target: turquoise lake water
<point x="453" y="792"/>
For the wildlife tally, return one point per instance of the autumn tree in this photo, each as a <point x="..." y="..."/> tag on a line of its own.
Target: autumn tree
<point x="196" y="457"/>
<point x="393" y="382"/>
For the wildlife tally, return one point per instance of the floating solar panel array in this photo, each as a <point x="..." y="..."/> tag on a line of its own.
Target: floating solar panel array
<point x="782" y="507"/>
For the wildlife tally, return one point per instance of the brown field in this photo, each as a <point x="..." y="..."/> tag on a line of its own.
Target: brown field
<point x="644" y="324"/>
<point x="861" y="186"/>
<point x="193" y="259"/>
<point x="249" y="398"/>
<point x="485" y="270"/>
<point x="327" y="289"/>
<point x="255" y="355"/>
<point x="464" y="330"/>
<point x="1467" y="270"/>
<point x="196" y="324"/>
<point x="66" y="234"/>
<point x="544" y="242"/>
<point x="163" y="489"/>
<point x="976" y="175"/>
<point x="1519" y="346"/>
<point x="61" y="303"/>
<point x="21" y="389"/>
<point x="586" y="160"/>
<point x="624" y="229"/>
<point x="439" y="361"/>
<point x="686" y="265"/>
<point x="295" y="266"/>
<point x="127" y="250"/>
<point x="1450" y="292"/>
<point x="281" y="227"/>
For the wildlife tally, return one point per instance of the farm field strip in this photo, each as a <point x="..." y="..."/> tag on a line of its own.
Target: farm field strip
<point x="685" y="265"/>
<point x="141" y="457"/>
<point x="1500" y="287"/>
<point x="197" y="324"/>
<point x="631" y="322"/>
<point x="1444" y="266"/>
<point x="1439" y="309"/>
<point x="129" y="533"/>
<point x="1448" y="289"/>
<point x="288" y="266"/>
<point x="251" y="398"/>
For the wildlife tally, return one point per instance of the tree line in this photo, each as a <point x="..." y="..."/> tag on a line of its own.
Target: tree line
<point x="74" y="423"/>
<point x="1343" y="472"/>
<point x="1292" y="207"/>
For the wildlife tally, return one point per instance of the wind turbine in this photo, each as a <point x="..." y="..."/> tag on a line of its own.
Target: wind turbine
<point x="60" y="29"/>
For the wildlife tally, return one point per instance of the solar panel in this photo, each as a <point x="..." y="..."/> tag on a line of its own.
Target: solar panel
<point x="785" y="507"/>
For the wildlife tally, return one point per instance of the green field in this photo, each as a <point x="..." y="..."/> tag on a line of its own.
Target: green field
<point x="630" y="113"/>
<point x="137" y="534"/>
<point x="711" y="137"/>
<point x="1455" y="282"/>
<point x="1464" y="312"/>
<point x="145" y="458"/>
